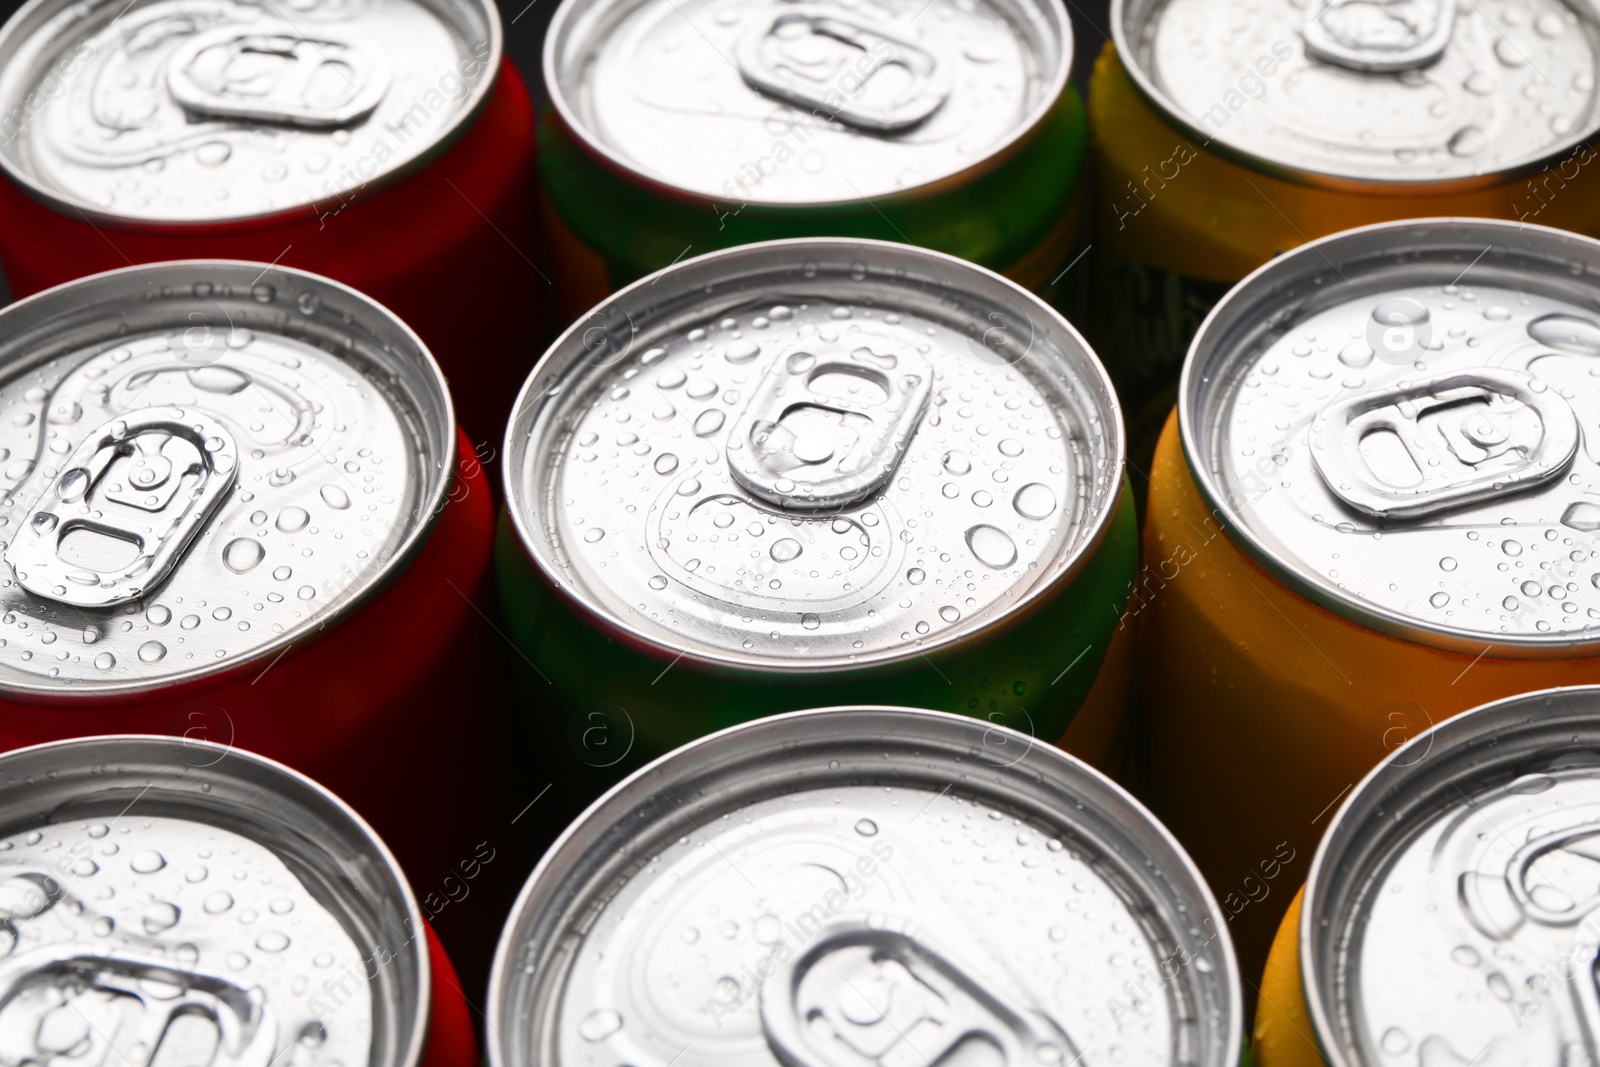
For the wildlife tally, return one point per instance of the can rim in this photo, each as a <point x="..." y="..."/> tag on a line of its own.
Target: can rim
<point x="1341" y="181"/>
<point x="434" y="499"/>
<point x="1036" y="119"/>
<point x="464" y="117"/>
<point x="1366" y="614"/>
<point x="1457" y="729"/>
<point x="416" y="1034"/>
<point x="1097" y="523"/>
<point x="550" y="867"/>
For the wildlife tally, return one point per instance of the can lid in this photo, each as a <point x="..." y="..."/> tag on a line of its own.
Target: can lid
<point x="814" y="454"/>
<point x="764" y="102"/>
<point x="1345" y="90"/>
<point x="899" y="887"/>
<point x="170" y="900"/>
<point x="163" y="112"/>
<point x="202" y="463"/>
<point x="1389" y="420"/>
<point x="1451" y="912"/>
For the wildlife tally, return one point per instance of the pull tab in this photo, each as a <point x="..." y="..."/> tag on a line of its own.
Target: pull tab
<point x="274" y="73"/>
<point x="1443" y="442"/>
<point x="1378" y="36"/>
<point x="889" y="997"/>
<point x="59" y="976"/>
<point x="130" y="500"/>
<point x="825" y="432"/>
<point x="807" y="58"/>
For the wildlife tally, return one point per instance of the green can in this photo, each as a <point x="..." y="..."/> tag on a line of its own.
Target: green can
<point x="678" y="127"/>
<point x="815" y="472"/>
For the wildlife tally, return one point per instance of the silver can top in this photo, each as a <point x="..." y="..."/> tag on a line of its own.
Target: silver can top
<point x="1416" y="92"/>
<point x="1391" y="421"/>
<point x="200" y="464"/>
<point x="162" y="112"/>
<point x="1450" y="915"/>
<point x="814" y="454"/>
<point x="900" y="887"/>
<point x="760" y="102"/>
<point x="172" y="901"/>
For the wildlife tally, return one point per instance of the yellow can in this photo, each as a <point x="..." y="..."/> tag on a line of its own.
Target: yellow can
<point x="1225" y="132"/>
<point x="1450" y="915"/>
<point x="1301" y="611"/>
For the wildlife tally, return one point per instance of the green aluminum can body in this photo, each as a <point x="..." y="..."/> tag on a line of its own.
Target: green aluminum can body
<point x="809" y="472"/>
<point x="993" y="173"/>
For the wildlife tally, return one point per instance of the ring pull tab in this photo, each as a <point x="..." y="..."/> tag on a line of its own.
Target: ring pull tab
<point x="124" y="510"/>
<point x="821" y="433"/>
<point x="274" y="73"/>
<point x="44" y="980"/>
<point x="1378" y="36"/>
<point x="810" y="59"/>
<point x="1443" y="442"/>
<point x="885" y="995"/>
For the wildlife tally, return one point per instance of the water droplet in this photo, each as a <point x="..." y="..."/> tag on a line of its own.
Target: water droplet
<point x="916" y="575"/>
<point x="957" y="463"/>
<point x="1448" y="563"/>
<point x="213" y="153"/>
<point x="1355" y="354"/>
<point x="810" y="620"/>
<point x="992" y="546"/>
<point x="280" y="477"/>
<point x="1511" y="603"/>
<point x="334" y="497"/>
<point x="1034" y="501"/>
<point x="800" y="362"/>
<point x="785" y="550"/>
<point x="218" y="379"/>
<point x="105" y="661"/>
<point x="242" y="554"/>
<point x="1511" y="548"/>
<point x="1439" y="599"/>
<point x="152" y="652"/>
<point x="658" y="582"/>
<point x="1395" y="1042"/>
<point x="292" y="519"/>
<point x="159" y="916"/>
<point x="1010" y="448"/>
<point x="1496" y="313"/>
<point x="599" y="1025"/>
<point x="1567" y="333"/>
<point x="272" y="941"/>
<point x="866" y="827"/>
<point x="594" y="534"/>
<point x="1480" y="83"/>
<point x="666" y="463"/>
<point x="305" y="592"/>
<point x="708" y="422"/>
<point x="217" y="903"/>
<point x="742" y="351"/>
<point x="147" y="861"/>
<point x="950" y="613"/>
<point x="1509" y="54"/>
<point x="1466" y="955"/>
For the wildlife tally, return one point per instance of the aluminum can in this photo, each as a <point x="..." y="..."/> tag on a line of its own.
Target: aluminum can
<point x="387" y="145"/>
<point x="169" y="900"/>
<point x="817" y="470"/>
<point x="678" y="129"/>
<point x="1450" y="909"/>
<point x="897" y="887"/>
<point x="1370" y="513"/>
<point x="1226" y="132"/>
<point x="232" y="509"/>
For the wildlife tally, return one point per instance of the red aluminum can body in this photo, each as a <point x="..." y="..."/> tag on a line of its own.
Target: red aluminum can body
<point x="451" y="1041"/>
<point x="452" y="248"/>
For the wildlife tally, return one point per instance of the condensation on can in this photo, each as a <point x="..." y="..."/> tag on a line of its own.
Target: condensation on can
<point x="957" y="131"/>
<point x="819" y="469"/>
<point x="199" y="900"/>
<point x="1486" y="888"/>
<point x="1305" y="602"/>
<point x="1222" y="139"/>
<point x="842" y="897"/>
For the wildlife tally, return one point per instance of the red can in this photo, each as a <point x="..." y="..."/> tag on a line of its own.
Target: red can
<point x="389" y="146"/>
<point x="235" y="507"/>
<point x="205" y="903"/>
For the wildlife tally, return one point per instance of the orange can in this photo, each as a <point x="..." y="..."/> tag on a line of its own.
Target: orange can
<point x="1224" y="132"/>
<point x="1374" y="508"/>
<point x="1450" y="916"/>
